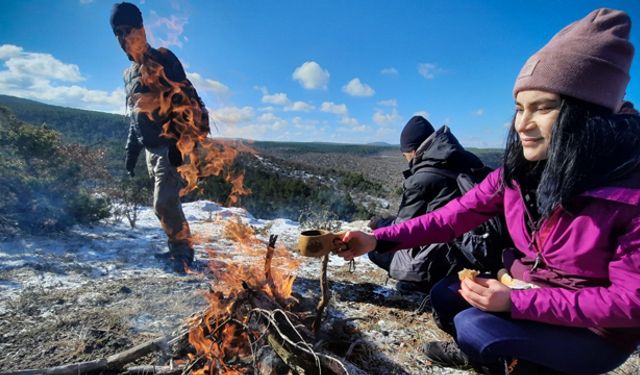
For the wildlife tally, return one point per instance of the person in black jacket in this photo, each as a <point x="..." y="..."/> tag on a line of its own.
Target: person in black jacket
<point x="433" y="156"/>
<point x="152" y="75"/>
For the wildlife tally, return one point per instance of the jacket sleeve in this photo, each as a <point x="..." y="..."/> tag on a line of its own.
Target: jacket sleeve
<point x="615" y="306"/>
<point x="458" y="216"/>
<point x="422" y="195"/>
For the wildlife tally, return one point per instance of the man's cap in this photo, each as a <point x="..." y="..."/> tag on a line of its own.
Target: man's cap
<point x="125" y="14"/>
<point x="414" y="133"/>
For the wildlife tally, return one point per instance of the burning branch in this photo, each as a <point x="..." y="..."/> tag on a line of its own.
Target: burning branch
<point x="326" y="295"/>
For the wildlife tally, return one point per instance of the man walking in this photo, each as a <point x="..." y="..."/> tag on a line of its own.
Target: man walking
<point x="154" y="123"/>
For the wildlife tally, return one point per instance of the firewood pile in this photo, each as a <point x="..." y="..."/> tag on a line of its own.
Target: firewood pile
<point x="257" y="328"/>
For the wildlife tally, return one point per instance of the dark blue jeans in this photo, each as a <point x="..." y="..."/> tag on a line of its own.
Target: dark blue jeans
<point x="489" y="337"/>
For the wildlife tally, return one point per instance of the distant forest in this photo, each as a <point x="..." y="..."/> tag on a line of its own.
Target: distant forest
<point x="287" y="180"/>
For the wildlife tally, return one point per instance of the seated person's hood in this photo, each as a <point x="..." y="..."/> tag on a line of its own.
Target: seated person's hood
<point x="442" y="149"/>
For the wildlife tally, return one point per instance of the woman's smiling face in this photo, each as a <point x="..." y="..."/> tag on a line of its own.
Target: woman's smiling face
<point x="536" y="113"/>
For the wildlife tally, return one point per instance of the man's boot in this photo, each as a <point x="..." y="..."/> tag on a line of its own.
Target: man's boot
<point x="181" y="256"/>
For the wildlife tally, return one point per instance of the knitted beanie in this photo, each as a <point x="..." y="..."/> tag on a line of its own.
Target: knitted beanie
<point x="414" y="133"/>
<point x="125" y="14"/>
<point x="587" y="60"/>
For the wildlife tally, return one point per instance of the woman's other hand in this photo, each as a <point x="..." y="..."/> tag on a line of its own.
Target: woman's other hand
<point x="486" y="294"/>
<point x="359" y="243"/>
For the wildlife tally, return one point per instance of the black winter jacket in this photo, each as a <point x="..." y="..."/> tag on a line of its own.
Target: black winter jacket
<point x="424" y="190"/>
<point x="143" y="131"/>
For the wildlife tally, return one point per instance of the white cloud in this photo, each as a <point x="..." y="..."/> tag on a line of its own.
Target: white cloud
<point x="388" y="103"/>
<point x="305" y="124"/>
<point x="38" y="65"/>
<point x="389" y="71"/>
<point x="299" y="107"/>
<point x="9" y="50"/>
<point x="279" y="98"/>
<point x="331" y="107"/>
<point x="40" y="76"/>
<point x="232" y="116"/>
<point x="311" y="76"/>
<point x="274" y="122"/>
<point x="423" y="114"/>
<point x="350" y="121"/>
<point x="206" y="84"/>
<point x="357" y="88"/>
<point x="383" y="119"/>
<point x="165" y="31"/>
<point x="479" y="112"/>
<point x="428" y="70"/>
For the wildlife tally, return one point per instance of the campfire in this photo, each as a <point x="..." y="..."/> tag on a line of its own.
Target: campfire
<point x="254" y="323"/>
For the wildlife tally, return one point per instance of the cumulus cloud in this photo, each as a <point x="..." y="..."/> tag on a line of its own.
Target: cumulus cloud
<point x="388" y="103"/>
<point x="423" y="114"/>
<point x="206" y="84"/>
<point x="428" y="70"/>
<point x="311" y="76"/>
<point x="479" y="112"/>
<point x="282" y="99"/>
<point x="40" y="76"/>
<point x="232" y="116"/>
<point x="331" y="107"/>
<point x="299" y="107"/>
<point x="279" y="98"/>
<point x="350" y="121"/>
<point x="389" y="71"/>
<point x="357" y="88"/>
<point x="166" y="31"/>
<point x="305" y="124"/>
<point x="381" y="118"/>
<point x="9" y="50"/>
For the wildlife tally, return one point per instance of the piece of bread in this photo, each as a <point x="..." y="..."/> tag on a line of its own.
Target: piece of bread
<point x="467" y="274"/>
<point x="503" y="277"/>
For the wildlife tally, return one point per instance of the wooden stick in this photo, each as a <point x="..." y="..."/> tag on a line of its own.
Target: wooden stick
<point x="326" y="294"/>
<point x="267" y="266"/>
<point x="116" y="361"/>
<point x="161" y="370"/>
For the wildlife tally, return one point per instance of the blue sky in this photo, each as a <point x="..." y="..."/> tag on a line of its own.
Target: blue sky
<point x="334" y="71"/>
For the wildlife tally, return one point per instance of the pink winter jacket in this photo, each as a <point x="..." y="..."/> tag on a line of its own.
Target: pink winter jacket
<point x="590" y="270"/>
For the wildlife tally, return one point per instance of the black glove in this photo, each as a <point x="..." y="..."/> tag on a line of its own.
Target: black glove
<point x="130" y="165"/>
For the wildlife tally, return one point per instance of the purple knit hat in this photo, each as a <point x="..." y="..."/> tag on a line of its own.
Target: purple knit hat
<point x="588" y="60"/>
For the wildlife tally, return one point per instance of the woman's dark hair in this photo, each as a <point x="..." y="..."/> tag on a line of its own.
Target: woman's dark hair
<point x="589" y="147"/>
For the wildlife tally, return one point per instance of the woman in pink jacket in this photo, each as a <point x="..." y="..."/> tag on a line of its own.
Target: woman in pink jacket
<point x="569" y="188"/>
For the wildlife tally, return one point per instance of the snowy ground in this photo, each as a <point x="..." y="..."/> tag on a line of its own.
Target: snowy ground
<point x="98" y="290"/>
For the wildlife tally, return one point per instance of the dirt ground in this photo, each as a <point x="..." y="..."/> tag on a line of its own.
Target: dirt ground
<point x="61" y="303"/>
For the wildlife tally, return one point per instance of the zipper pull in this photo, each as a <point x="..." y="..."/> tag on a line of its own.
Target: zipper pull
<point x="537" y="263"/>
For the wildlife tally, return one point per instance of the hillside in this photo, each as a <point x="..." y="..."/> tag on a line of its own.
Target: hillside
<point x="354" y="181"/>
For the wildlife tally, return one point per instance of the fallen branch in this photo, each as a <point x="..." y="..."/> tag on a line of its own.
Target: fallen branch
<point x="160" y="370"/>
<point x="114" y="362"/>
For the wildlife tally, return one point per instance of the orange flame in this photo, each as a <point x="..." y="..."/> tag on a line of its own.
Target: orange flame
<point x="181" y="116"/>
<point x="220" y="336"/>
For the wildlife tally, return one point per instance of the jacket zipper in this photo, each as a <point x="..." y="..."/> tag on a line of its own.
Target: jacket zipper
<point x="533" y="244"/>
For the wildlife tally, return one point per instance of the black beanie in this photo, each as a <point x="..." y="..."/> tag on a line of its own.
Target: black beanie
<point x="125" y="14"/>
<point x="414" y="133"/>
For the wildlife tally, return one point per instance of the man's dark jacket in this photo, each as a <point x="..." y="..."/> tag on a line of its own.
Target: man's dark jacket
<point x="145" y="132"/>
<point x="425" y="190"/>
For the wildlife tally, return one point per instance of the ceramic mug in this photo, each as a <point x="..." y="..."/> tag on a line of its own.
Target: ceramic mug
<point x="318" y="243"/>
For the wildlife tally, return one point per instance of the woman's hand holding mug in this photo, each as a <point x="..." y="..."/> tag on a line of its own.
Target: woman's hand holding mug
<point x="358" y="242"/>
